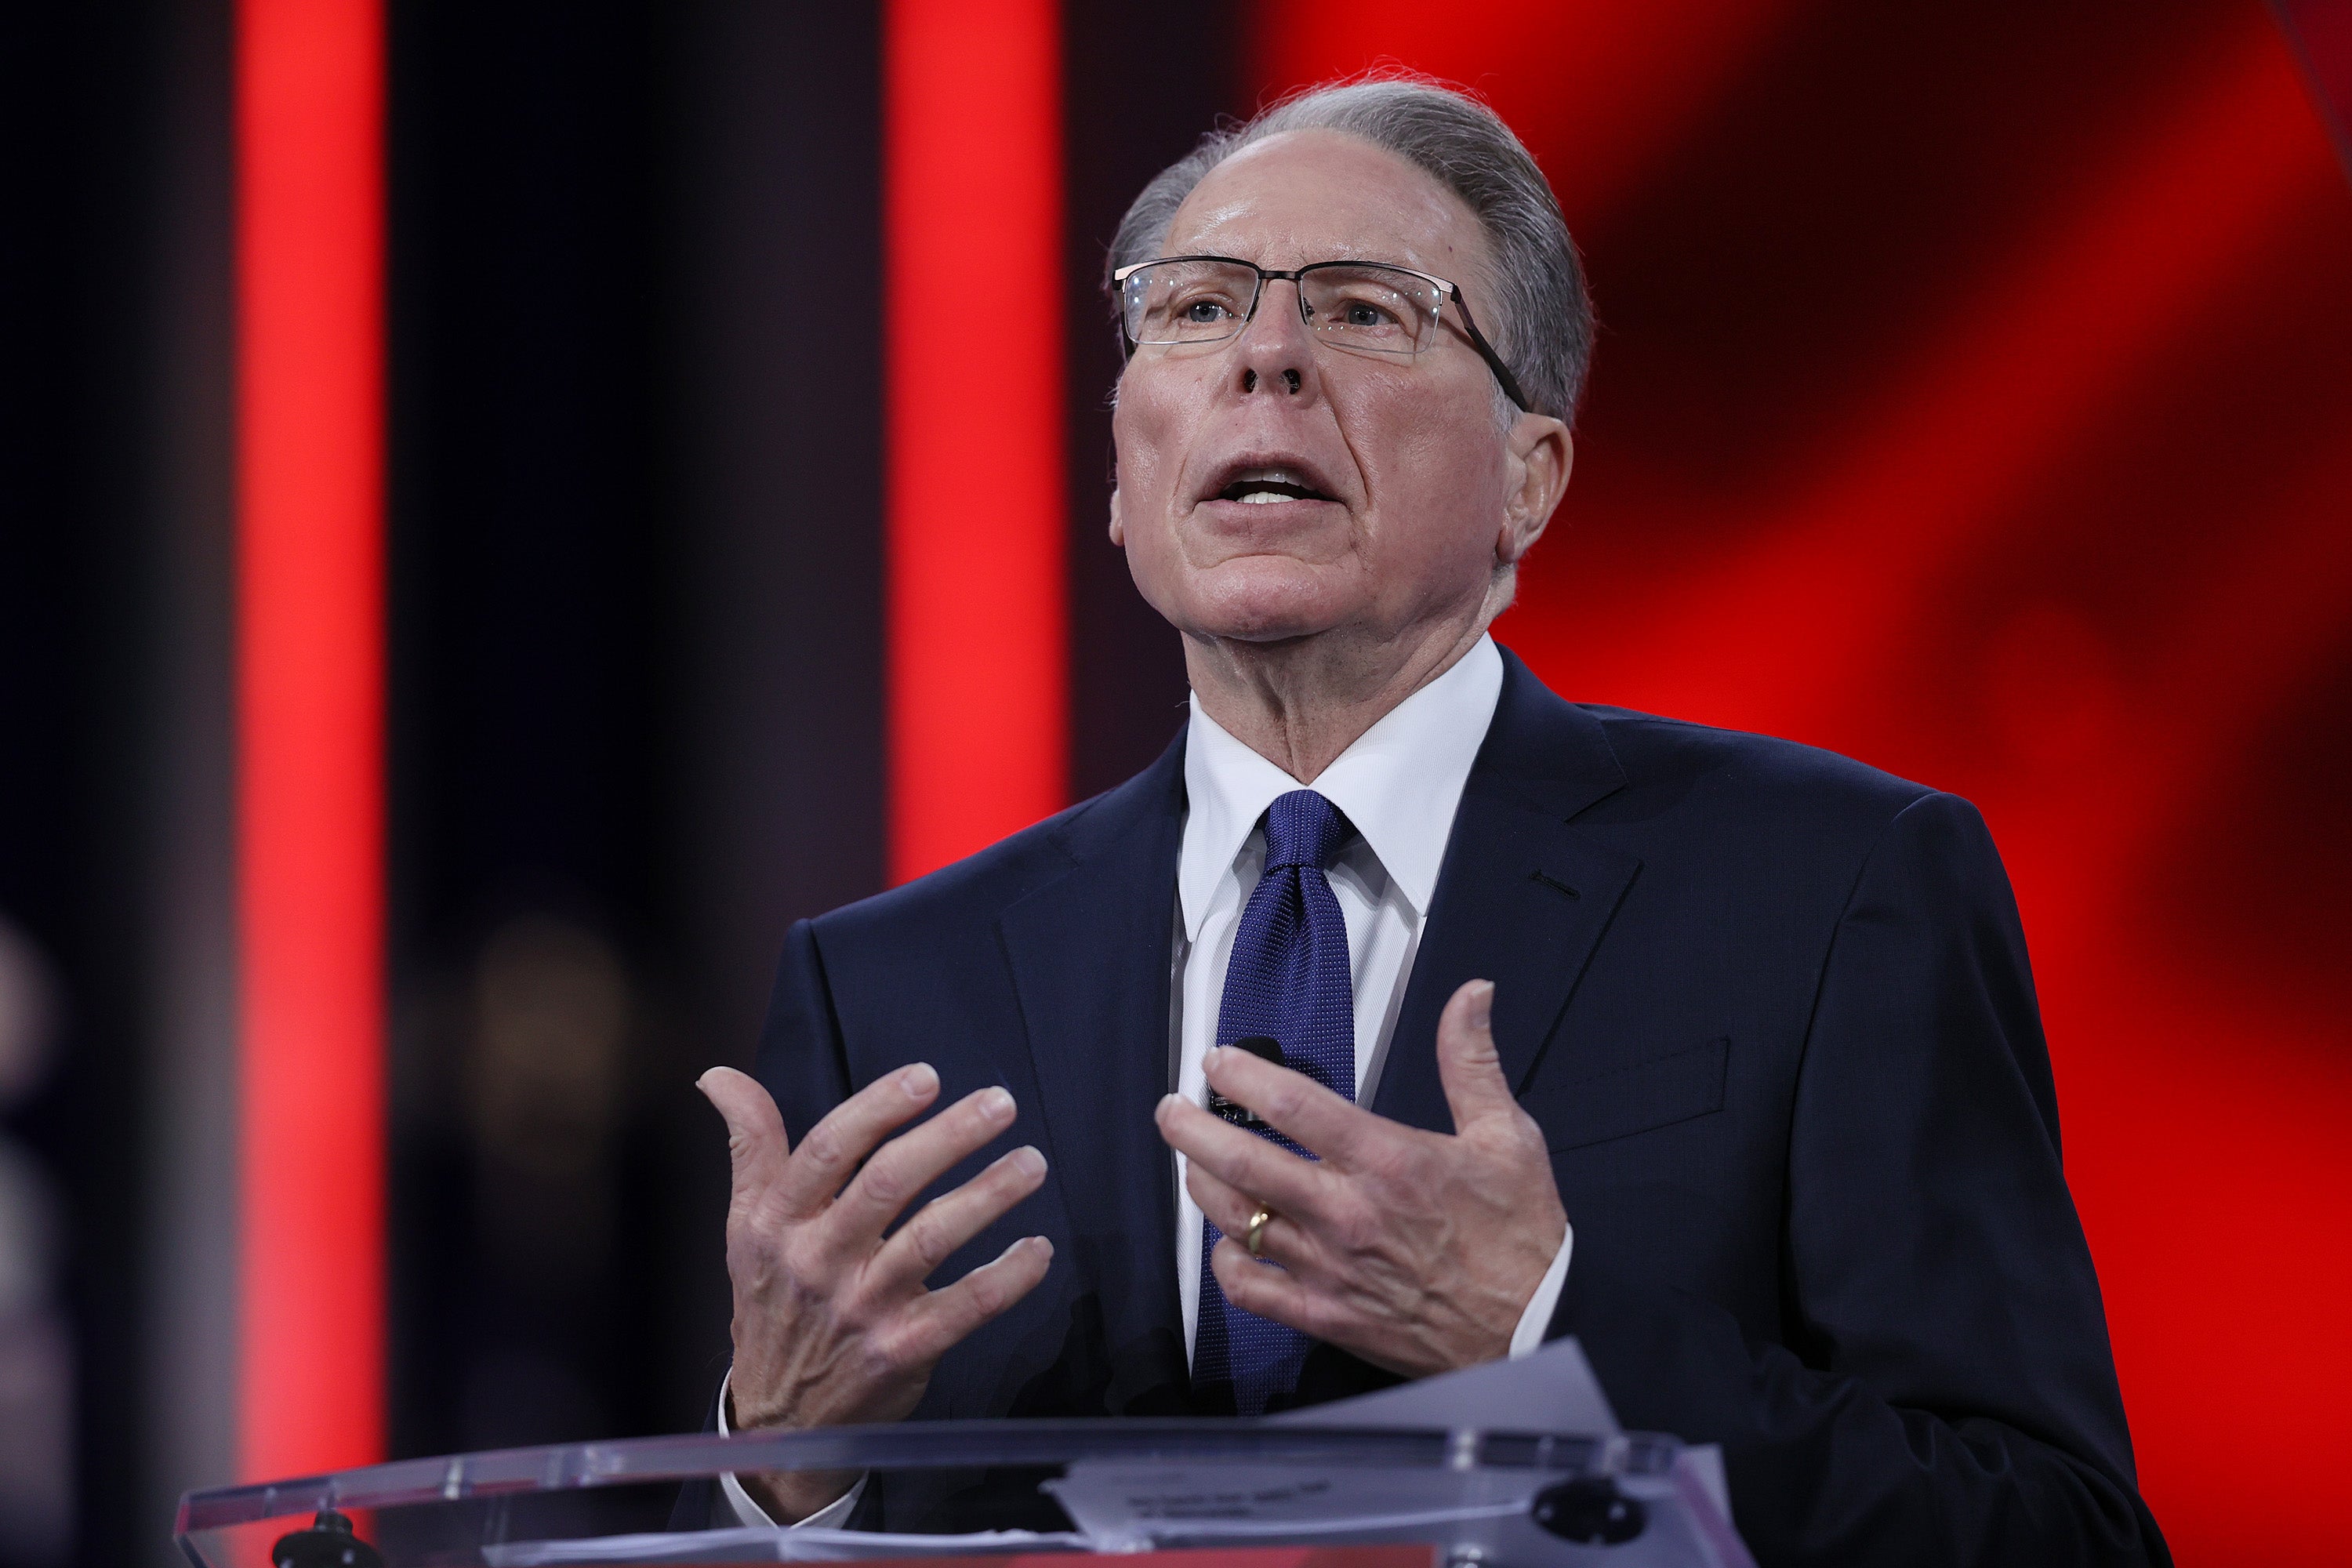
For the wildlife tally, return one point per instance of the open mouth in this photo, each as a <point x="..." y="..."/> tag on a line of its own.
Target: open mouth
<point x="1265" y="487"/>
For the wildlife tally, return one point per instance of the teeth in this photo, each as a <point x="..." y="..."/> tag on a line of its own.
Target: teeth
<point x="1267" y="486"/>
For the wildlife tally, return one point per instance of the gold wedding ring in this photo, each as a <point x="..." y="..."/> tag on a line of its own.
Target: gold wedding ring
<point x="1258" y="1222"/>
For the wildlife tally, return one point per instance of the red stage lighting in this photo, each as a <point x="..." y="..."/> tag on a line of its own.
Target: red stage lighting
<point x="972" y="296"/>
<point x="309" y="681"/>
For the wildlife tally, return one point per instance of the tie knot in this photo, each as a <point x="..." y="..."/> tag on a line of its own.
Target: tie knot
<point x="1302" y="829"/>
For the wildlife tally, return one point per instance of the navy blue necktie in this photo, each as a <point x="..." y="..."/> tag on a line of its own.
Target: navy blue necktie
<point x="1287" y="979"/>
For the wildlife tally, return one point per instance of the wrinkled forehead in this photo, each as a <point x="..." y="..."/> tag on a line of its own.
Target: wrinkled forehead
<point x="1323" y="195"/>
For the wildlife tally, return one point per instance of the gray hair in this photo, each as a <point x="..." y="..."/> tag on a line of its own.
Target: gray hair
<point x="1541" y="320"/>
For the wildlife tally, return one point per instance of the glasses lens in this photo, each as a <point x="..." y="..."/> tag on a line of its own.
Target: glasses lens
<point x="1381" y="309"/>
<point x="1186" y="301"/>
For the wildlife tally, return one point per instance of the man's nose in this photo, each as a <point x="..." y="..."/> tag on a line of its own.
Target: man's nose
<point x="1277" y="350"/>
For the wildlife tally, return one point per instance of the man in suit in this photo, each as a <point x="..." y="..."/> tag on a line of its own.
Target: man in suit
<point x="1716" y="1052"/>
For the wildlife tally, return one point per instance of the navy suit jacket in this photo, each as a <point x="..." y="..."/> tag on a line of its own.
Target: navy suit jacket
<point x="1773" y="1012"/>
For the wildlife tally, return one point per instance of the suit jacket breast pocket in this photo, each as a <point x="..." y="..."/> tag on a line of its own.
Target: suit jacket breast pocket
<point x="1655" y="1091"/>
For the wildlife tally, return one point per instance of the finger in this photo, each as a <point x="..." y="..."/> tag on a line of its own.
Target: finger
<point x="1269" y="1292"/>
<point x="906" y="1164"/>
<point x="940" y="1320"/>
<point x="1467" y="1063"/>
<point x="757" y="1143"/>
<point x="1245" y="1160"/>
<point x="1310" y="1115"/>
<point x="946" y="1222"/>
<point x="1285" y="1240"/>
<point x="830" y="1153"/>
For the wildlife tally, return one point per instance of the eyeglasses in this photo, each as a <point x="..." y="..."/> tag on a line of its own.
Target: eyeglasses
<point x="1364" y="307"/>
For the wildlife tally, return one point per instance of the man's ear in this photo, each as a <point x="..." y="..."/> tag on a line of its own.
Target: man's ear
<point x="1118" y="530"/>
<point x="1541" y="454"/>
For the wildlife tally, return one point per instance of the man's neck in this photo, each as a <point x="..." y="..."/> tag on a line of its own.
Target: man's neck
<point x="1302" y="702"/>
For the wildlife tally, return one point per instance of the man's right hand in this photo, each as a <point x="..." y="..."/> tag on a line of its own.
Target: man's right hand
<point x="833" y="1325"/>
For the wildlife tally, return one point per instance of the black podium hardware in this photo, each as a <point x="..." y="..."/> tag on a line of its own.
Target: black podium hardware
<point x="1261" y="1046"/>
<point x="1591" y="1511"/>
<point x="328" y="1544"/>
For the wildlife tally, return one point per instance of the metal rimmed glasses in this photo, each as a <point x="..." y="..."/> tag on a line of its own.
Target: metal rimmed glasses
<point x="1364" y="307"/>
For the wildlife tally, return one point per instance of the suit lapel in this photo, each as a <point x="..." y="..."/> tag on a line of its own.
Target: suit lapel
<point x="1522" y="898"/>
<point x="1090" y="953"/>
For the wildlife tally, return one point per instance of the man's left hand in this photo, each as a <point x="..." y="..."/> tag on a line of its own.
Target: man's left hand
<point x="1417" y="1251"/>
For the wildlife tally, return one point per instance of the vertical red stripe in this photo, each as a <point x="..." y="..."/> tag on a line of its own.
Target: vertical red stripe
<point x="309" y="808"/>
<point x="972" y="296"/>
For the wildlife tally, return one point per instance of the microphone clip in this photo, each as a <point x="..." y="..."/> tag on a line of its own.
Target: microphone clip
<point x="1266" y="1048"/>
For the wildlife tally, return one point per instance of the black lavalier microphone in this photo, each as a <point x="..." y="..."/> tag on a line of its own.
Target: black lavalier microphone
<point x="1262" y="1046"/>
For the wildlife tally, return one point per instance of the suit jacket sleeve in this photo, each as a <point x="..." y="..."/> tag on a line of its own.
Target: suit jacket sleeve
<point x="1946" y="1392"/>
<point x="802" y="1061"/>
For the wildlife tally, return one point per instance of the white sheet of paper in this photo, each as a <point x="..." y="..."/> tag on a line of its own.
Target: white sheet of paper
<point x="1551" y="1391"/>
<point x="1133" y="1506"/>
<point x="1125" y="1506"/>
<point x="1704" y="1461"/>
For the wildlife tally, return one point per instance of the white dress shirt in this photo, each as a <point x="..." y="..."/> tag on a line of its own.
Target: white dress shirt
<point x="1399" y="784"/>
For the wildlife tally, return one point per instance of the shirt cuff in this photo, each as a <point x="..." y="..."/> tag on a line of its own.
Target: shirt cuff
<point x="1529" y="1337"/>
<point x="834" y="1515"/>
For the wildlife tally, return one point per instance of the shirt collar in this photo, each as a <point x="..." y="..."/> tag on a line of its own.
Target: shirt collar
<point x="1399" y="783"/>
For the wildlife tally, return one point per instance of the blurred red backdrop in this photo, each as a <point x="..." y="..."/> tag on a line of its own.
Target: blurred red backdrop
<point x="1974" y="397"/>
<point x="310" y="806"/>
<point x="972" y="166"/>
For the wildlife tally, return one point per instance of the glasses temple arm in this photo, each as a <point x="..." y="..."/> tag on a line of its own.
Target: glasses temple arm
<point x="1486" y="351"/>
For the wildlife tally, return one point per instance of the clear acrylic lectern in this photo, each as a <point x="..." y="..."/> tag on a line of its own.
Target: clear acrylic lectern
<point x="1226" y="1490"/>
